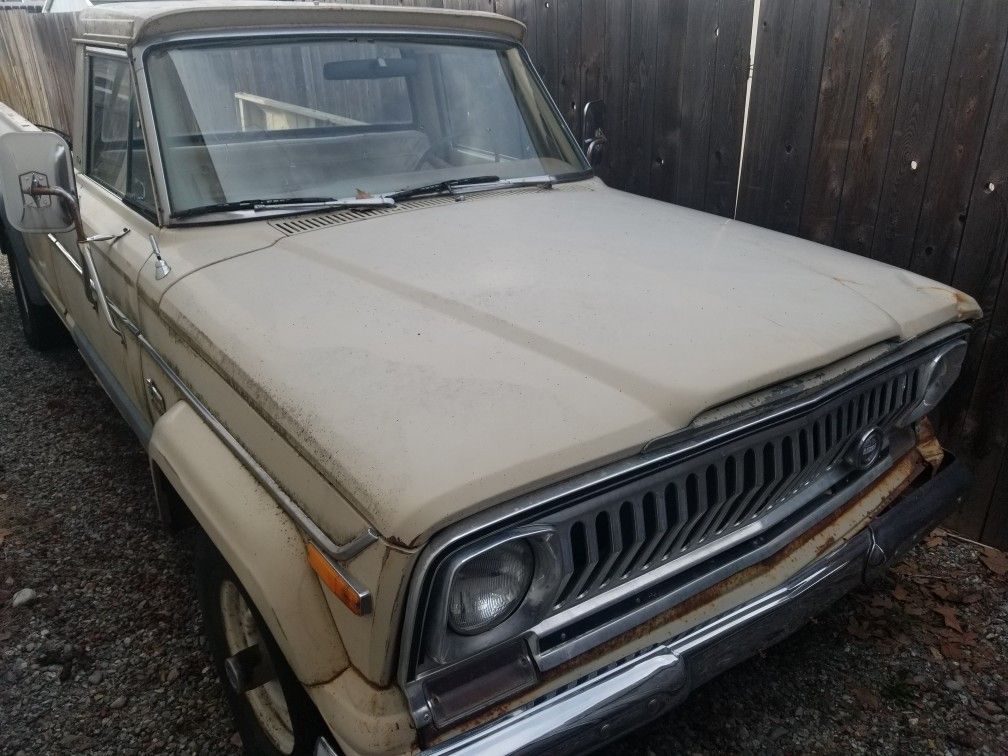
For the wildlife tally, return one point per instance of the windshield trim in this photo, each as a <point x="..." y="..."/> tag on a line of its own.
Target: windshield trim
<point x="245" y="216"/>
<point x="141" y="52"/>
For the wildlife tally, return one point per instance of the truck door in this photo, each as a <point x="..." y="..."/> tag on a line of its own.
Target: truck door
<point x="116" y="203"/>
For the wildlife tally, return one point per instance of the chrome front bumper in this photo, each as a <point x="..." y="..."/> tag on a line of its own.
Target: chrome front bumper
<point x="591" y="713"/>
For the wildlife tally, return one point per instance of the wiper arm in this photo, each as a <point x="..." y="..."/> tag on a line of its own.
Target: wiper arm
<point x="442" y="187"/>
<point x="323" y="202"/>
<point x="286" y="203"/>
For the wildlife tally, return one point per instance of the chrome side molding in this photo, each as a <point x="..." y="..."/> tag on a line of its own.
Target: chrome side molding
<point x="335" y="552"/>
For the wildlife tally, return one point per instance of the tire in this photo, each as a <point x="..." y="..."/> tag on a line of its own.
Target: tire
<point x="257" y="713"/>
<point x="42" y="329"/>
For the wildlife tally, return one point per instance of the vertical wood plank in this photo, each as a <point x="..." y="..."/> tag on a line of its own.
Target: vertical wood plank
<point x="568" y="26"/>
<point x="926" y="69"/>
<point x="979" y="47"/>
<point x="696" y="102"/>
<point x="615" y="169"/>
<point x="764" y="111"/>
<point x="831" y="141"/>
<point x="593" y="52"/>
<point x="802" y="73"/>
<point x="880" y="77"/>
<point x="666" y="152"/>
<point x="640" y="92"/>
<point x="724" y="150"/>
<point x="545" y="16"/>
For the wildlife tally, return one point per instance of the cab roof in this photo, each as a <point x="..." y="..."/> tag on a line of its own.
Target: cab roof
<point x="128" y="23"/>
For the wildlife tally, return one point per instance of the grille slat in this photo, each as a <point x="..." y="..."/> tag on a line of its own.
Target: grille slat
<point x="668" y="514"/>
<point x="733" y="486"/>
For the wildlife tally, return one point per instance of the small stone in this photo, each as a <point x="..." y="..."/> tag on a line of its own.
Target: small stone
<point x="24" y="597"/>
<point x="954" y="684"/>
<point x="95" y="677"/>
<point x="118" y="703"/>
<point x="236" y="740"/>
<point x="778" y="733"/>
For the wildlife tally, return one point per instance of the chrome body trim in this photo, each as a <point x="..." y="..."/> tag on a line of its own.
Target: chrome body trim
<point x="687" y="444"/>
<point x="134" y="418"/>
<point x="335" y="552"/>
<point x="598" y="708"/>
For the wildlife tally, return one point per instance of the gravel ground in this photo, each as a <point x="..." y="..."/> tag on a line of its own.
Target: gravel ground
<point x="109" y="657"/>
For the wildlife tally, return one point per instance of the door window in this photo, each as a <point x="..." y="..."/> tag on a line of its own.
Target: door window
<point x="117" y="155"/>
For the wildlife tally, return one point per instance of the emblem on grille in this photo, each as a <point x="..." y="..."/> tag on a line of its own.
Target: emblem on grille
<point x="866" y="449"/>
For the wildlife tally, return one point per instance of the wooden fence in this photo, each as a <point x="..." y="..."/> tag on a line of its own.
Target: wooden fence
<point x="877" y="126"/>
<point x="881" y="127"/>
<point x="36" y="66"/>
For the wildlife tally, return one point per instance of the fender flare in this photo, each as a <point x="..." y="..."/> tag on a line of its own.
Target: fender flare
<point x="257" y="539"/>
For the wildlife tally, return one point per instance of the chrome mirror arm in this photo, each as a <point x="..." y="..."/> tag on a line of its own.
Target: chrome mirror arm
<point x="89" y="275"/>
<point x="95" y="281"/>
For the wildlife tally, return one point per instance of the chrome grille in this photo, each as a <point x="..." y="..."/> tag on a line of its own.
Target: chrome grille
<point x="691" y="508"/>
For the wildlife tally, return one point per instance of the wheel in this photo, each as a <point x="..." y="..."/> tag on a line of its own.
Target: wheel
<point x="277" y="717"/>
<point x="42" y="329"/>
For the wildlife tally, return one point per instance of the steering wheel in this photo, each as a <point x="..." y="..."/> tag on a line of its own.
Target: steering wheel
<point x="436" y="147"/>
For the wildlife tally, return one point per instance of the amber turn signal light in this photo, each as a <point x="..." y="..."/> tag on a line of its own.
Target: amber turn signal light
<point x="336" y="583"/>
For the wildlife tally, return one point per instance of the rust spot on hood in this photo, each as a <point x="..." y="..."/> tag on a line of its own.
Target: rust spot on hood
<point x="966" y="307"/>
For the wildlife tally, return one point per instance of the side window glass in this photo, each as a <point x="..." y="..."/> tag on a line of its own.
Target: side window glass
<point x="117" y="156"/>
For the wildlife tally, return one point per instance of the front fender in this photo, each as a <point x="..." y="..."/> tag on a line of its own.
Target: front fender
<point x="258" y="540"/>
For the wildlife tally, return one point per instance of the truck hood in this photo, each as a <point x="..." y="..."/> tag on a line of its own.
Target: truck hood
<point x="435" y="361"/>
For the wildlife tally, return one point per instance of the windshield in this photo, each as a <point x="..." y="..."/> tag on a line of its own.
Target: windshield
<point x="289" y="118"/>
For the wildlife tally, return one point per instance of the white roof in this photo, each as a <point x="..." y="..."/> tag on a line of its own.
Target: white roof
<point x="127" y="23"/>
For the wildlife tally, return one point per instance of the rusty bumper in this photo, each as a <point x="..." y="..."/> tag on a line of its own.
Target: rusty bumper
<point x="597" y="710"/>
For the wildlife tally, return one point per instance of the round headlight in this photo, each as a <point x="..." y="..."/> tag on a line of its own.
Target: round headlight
<point x="489" y="587"/>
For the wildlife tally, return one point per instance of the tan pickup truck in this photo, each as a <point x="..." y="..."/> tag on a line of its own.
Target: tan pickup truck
<point x="481" y="455"/>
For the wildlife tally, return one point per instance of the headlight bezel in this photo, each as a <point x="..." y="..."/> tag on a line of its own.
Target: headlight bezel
<point x="445" y="645"/>
<point x="945" y="365"/>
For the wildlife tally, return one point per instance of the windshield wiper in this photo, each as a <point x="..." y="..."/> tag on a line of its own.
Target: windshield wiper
<point x="461" y="187"/>
<point x="442" y="187"/>
<point x="287" y="203"/>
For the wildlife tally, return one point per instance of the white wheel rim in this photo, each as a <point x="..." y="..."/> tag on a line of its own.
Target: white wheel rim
<point x="267" y="702"/>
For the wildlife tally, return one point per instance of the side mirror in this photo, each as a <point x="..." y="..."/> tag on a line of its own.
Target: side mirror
<point x="593" y="137"/>
<point x="37" y="182"/>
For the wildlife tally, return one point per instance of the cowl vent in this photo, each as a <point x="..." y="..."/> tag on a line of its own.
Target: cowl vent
<point x="304" y="223"/>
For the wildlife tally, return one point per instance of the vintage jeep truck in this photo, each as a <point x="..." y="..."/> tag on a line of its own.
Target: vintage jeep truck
<point x="480" y="455"/>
